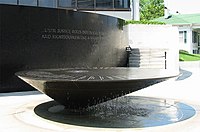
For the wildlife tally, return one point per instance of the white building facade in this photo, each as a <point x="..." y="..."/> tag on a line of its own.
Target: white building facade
<point x="185" y="14"/>
<point x="189" y="38"/>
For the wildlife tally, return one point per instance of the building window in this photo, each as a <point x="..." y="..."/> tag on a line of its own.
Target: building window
<point x="85" y="4"/>
<point x="28" y="2"/>
<point x="104" y="4"/>
<point x="194" y="37"/>
<point x="8" y="1"/>
<point x="122" y="3"/>
<point x="80" y="4"/>
<point x="47" y="3"/>
<point x="67" y="3"/>
<point x="183" y="37"/>
<point x="196" y="51"/>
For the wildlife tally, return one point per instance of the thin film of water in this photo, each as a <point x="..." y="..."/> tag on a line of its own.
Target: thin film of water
<point x="122" y="112"/>
<point x="129" y="111"/>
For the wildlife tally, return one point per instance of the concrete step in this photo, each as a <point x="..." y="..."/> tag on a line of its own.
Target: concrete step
<point x="147" y="58"/>
<point x="147" y="63"/>
<point x="147" y="66"/>
<point x="148" y="54"/>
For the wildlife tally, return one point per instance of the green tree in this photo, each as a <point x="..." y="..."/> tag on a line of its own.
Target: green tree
<point x="151" y="9"/>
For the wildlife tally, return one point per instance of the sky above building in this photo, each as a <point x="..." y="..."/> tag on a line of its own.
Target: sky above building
<point x="183" y="6"/>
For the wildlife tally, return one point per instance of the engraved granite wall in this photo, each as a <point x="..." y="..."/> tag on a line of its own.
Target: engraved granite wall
<point x="35" y="37"/>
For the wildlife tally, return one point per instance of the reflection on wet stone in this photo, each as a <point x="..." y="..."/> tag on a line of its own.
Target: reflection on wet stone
<point x="123" y="112"/>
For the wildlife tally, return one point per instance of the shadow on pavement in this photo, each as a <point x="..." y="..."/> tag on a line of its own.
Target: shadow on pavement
<point x="184" y="75"/>
<point x="20" y="93"/>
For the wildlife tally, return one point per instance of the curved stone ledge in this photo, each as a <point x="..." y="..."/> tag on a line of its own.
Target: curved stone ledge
<point x="80" y="88"/>
<point x="35" y="38"/>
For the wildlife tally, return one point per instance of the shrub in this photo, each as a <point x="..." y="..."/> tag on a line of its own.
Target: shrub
<point x="144" y="22"/>
<point x="183" y="51"/>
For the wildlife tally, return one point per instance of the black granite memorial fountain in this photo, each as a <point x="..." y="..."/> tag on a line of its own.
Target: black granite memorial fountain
<point x="80" y="88"/>
<point x="78" y="55"/>
<point x="43" y="38"/>
<point x="79" y="59"/>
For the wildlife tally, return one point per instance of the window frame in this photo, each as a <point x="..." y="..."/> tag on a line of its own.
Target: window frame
<point x="183" y="37"/>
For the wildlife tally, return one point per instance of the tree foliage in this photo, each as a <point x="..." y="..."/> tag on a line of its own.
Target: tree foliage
<point x="151" y="9"/>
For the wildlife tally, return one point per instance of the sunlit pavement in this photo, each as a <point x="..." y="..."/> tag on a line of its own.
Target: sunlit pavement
<point x="185" y="87"/>
<point x="17" y="109"/>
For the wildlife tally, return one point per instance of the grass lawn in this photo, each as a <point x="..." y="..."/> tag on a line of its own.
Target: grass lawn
<point x="184" y="56"/>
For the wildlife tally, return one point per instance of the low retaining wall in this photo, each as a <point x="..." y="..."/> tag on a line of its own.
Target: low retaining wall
<point x="189" y="64"/>
<point x="156" y="37"/>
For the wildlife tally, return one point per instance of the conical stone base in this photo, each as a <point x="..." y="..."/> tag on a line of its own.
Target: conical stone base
<point x="80" y="88"/>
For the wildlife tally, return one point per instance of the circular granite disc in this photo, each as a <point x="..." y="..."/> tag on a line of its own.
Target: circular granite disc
<point x="123" y="112"/>
<point x="81" y="87"/>
<point x="94" y="74"/>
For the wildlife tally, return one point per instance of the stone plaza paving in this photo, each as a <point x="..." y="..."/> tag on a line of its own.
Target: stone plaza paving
<point x="17" y="109"/>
